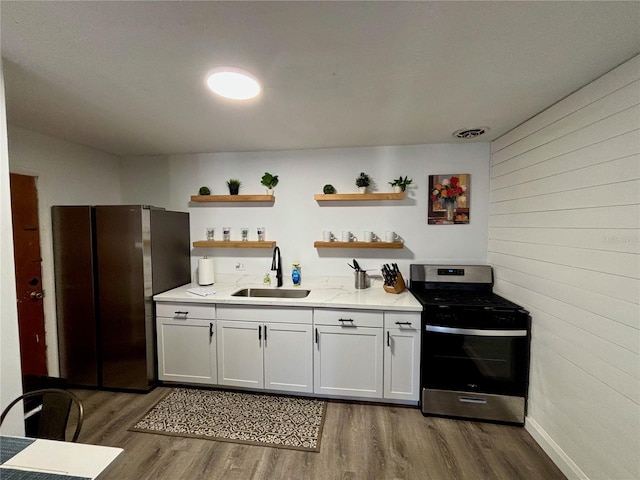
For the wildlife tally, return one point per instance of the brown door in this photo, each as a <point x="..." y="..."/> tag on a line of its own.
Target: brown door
<point x="29" y="293"/>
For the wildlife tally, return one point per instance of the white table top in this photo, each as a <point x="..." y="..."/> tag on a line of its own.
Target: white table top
<point x="326" y="292"/>
<point x="63" y="458"/>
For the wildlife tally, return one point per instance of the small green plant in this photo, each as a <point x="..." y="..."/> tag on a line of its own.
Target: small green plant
<point x="234" y="186"/>
<point x="269" y="181"/>
<point x="204" y="191"/>
<point x="363" y="180"/>
<point x="401" y="182"/>
<point x="328" y="189"/>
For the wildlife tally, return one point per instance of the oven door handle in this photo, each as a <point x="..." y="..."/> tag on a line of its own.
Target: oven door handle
<point x="476" y="332"/>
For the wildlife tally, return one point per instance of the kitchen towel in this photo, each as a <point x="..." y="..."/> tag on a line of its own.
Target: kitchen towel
<point x="205" y="271"/>
<point x="202" y="291"/>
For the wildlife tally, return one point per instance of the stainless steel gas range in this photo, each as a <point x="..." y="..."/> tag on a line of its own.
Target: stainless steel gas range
<point x="475" y="345"/>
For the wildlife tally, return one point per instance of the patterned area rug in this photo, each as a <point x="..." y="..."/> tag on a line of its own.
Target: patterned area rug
<point x="257" y="419"/>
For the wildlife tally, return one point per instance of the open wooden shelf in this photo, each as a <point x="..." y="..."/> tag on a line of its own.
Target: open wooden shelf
<point x="341" y="197"/>
<point x="387" y="245"/>
<point x="233" y="198"/>
<point x="232" y="244"/>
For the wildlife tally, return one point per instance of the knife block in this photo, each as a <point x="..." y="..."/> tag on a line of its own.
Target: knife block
<point x="398" y="287"/>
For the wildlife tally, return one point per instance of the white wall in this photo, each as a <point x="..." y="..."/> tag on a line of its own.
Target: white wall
<point x="9" y="343"/>
<point x="147" y="180"/>
<point x="67" y="174"/>
<point x="296" y="220"/>
<point x="564" y="241"/>
<point x="72" y="174"/>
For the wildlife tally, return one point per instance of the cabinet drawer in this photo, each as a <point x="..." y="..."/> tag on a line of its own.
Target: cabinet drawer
<point x="186" y="311"/>
<point x="402" y="320"/>
<point x="348" y="318"/>
<point x="265" y="314"/>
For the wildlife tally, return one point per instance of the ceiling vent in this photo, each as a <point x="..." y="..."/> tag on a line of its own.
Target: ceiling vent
<point x="469" y="133"/>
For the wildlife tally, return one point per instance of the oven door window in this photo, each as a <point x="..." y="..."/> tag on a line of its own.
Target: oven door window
<point x="475" y="363"/>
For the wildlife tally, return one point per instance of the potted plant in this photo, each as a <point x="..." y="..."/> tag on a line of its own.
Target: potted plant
<point x="234" y="186"/>
<point x="204" y="191"/>
<point x="400" y="184"/>
<point x="328" y="189"/>
<point x="362" y="182"/>
<point x="269" y="181"/>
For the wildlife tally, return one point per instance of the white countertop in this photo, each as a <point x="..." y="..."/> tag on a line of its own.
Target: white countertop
<point x="326" y="292"/>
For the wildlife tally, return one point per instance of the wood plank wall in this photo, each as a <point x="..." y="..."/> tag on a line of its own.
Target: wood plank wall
<point x="564" y="242"/>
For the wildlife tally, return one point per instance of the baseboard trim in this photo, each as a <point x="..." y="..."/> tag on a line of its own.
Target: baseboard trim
<point x="553" y="450"/>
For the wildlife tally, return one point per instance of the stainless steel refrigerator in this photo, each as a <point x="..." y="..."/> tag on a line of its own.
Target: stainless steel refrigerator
<point x="109" y="261"/>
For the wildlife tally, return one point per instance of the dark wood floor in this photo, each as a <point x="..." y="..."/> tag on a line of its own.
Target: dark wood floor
<point x="359" y="442"/>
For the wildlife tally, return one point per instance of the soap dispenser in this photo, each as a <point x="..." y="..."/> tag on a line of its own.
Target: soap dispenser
<point x="295" y="274"/>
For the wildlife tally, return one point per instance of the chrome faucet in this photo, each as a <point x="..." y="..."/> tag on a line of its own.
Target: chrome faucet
<point x="276" y="264"/>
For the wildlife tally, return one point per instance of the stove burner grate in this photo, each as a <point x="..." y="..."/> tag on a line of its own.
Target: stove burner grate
<point x="464" y="299"/>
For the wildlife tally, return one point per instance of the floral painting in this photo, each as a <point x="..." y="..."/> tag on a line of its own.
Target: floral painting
<point x="449" y="199"/>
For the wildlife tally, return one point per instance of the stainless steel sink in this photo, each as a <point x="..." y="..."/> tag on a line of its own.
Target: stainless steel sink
<point x="271" y="292"/>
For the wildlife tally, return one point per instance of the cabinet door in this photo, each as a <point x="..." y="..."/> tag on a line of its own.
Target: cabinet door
<point x="288" y="357"/>
<point x="402" y="363"/>
<point x="240" y="362"/>
<point x="348" y="361"/>
<point x="186" y="350"/>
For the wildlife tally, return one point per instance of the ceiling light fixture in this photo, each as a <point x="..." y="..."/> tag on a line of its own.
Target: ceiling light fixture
<point x="234" y="83"/>
<point x="469" y="133"/>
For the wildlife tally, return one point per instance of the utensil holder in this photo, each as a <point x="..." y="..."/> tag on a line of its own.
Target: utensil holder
<point x="361" y="279"/>
<point x="398" y="287"/>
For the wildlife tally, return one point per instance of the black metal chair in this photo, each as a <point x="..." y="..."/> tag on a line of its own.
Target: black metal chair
<point x="49" y="410"/>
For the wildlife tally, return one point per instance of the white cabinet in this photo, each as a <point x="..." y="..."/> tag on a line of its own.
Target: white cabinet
<point x="402" y="356"/>
<point x="342" y="353"/>
<point x="240" y="354"/>
<point x="265" y="348"/>
<point x="348" y="353"/>
<point x="288" y="357"/>
<point x="186" y="343"/>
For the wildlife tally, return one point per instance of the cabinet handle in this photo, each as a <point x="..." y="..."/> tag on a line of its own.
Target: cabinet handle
<point x="316" y="335"/>
<point x="403" y="323"/>
<point x="265" y="333"/>
<point x="181" y="313"/>
<point x="388" y="339"/>
<point x="210" y="330"/>
<point x="342" y="320"/>
<point x="259" y="332"/>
